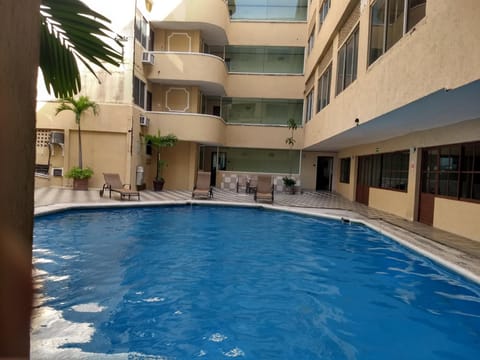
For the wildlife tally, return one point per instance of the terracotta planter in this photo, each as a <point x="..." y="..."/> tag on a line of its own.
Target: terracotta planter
<point x="80" y="184"/>
<point x="158" y="185"/>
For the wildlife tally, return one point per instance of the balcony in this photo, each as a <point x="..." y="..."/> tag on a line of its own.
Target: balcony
<point x="188" y="69"/>
<point x="209" y="16"/>
<point x="199" y="128"/>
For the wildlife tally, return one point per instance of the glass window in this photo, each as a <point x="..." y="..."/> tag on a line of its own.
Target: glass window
<point x="309" y="106"/>
<point x="416" y="12"/>
<point x="141" y="30"/>
<point x="387" y="171"/>
<point x="261" y="111"/>
<point x="347" y="62"/>
<point x="389" y="20"/>
<point x="284" y="10"/>
<point x="311" y="40"/>
<point x="262" y="160"/>
<point x="265" y="59"/>
<point x="138" y="92"/>
<point x="323" y="96"/>
<point x="345" y="170"/>
<point x="452" y="171"/>
<point x="377" y="30"/>
<point x="324" y="11"/>
<point x="395" y="16"/>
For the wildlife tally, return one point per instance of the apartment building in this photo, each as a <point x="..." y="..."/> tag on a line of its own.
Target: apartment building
<point x="385" y="93"/>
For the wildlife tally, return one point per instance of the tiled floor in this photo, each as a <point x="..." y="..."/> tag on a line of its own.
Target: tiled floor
<point x="462" y="252"/>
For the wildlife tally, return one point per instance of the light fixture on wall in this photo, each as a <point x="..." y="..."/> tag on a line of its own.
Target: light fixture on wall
<point x="357" y="121"/>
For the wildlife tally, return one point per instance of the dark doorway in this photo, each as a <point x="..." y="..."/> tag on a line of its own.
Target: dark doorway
<point x="324" y="173"/>
<point x="222" y="165"/>
<point x="363" y="179"/>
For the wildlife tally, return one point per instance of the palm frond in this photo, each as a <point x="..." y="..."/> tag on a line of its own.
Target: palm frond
<point x="71" y="30"/>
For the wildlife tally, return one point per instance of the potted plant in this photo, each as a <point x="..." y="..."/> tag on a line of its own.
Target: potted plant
<point x="157" y="142"/>
<point x="288" y="181"/>
<point x="80" y="177"/>
<point x="289" y="184"/>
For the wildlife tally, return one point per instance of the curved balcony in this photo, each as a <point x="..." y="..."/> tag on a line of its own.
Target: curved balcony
<point x="209" y="16"/>
<point x="189" y="69"/>
<point x="199" y="128"/>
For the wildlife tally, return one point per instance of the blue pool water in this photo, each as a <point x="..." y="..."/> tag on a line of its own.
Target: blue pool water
<point x="187" y="282"/>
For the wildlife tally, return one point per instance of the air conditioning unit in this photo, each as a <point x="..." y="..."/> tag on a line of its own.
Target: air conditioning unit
<point x="57" y="171"/>
<point x="144" y="120"/>
<point x="57" y="137"/>
<point x="148" y="58"/>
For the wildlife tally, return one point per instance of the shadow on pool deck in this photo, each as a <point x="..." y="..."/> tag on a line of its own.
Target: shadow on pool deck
<point x="45" y="197"/>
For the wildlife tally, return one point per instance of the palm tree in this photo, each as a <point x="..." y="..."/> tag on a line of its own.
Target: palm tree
<point x="71" y="31"/>
<point x="78" y="107"/>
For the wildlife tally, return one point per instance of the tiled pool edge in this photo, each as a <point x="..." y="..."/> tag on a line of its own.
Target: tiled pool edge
<point x="450" y="258"/>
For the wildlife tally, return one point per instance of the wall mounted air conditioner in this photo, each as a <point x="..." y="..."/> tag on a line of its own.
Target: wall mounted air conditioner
<point x="57" y="171"/>
<point x="148" y="58"/>
<point x="144" y="120"/>
<point x="57" y="137"/>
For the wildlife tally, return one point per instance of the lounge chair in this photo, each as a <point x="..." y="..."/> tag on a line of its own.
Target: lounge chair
<point x="203" y="188"/>
<point x="264" y="189"/>
<point x="113" y="183"/>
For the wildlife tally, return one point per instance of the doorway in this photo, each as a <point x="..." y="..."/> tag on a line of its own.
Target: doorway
<point x="324" y="173"/>
<point x="363" y="179"/>
<point x="221" y="160"/>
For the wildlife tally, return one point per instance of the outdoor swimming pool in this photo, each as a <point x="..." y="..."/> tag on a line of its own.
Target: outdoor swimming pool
<point x="183" y="282"/>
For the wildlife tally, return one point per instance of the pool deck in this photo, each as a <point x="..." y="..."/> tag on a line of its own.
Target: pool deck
<point x="458" y="253"/>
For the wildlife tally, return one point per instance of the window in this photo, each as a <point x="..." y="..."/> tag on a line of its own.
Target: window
<point x="309" y="106"/>
<point x="285" y="10"/>
<point x="141" y="30"/>
<point x="415" y="12"/>
<point x="345" y="170"/>
<point x="323" y="98"/>
<point x="261" y="160"/>
<point x="347" y="62"/>
<point x="261" y="111"/>
<point x="311" y="40"/>
<point x="389" y="20"/>
<point x="138" y="92"/>
<point x="265" y="59"/>
<point x="452" y="171"/>
<point x="386" y="171"/>
<point x="324" y="11"/>
<point x="149" y="101"/>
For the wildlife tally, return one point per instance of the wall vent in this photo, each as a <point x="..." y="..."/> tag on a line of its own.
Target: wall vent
<point x="57" y="171"/>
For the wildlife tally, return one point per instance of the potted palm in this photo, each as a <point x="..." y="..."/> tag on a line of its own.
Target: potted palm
<point x="289" y="181"/>
<point x="157" y="142"/>
<point x="78" y="107"/>
<point x="80" y="177"/>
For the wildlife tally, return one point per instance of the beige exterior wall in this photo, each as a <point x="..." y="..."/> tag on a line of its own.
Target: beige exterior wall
<point x="393" y="202"/>
<point x="105" y="142"/>
<point x="425" y="60"/>
<point x="405" y="204"/>
<point x="459" y="217"/>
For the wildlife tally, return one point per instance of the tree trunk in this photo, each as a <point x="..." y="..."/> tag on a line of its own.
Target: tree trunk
<point x="80" y="157"/>
<point x="19" y="39"/>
